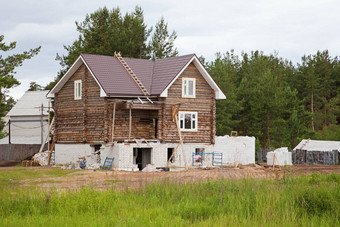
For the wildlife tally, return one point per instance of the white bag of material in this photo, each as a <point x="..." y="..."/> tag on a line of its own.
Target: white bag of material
<point x="41" y="158"/>
<point x="150" y="168"/>
<point x="282" y="157"/>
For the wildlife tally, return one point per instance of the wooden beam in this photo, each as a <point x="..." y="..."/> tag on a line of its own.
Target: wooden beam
<point x="113" y="121"/>
<point x="172" y="155"/>
<point x="106" y="121"/>
<point x="49" y="126"/>
<point x="130" y="124"/>
<point x="41" y="124"/>
<point x="50" y="152"/>
<point x="175" y="109"/>
<point x="83" y="96"/>
<point x="181" y="141"/>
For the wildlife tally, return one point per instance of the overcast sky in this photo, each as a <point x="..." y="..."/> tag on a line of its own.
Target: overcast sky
<point x="290" y="27"/>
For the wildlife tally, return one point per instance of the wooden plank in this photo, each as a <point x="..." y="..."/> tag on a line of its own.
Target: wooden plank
<point x="50" y="152"/>
<point x="130" y="124"/>
<point x="113" y="121"/>
<point x="49" y="126"/>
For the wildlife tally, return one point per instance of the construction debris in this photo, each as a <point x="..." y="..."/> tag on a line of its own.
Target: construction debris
<point x="41" y="158"/>
<point x="150" y="168"/>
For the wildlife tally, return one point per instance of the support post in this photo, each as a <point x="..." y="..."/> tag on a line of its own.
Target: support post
<point x="9" y="131"/>
<point x="49" y="126"/>
<point x="113" y="121"/>
<point x="181" y="142"/>
<point x="41" y="123"/>
<point x="130" y="124"/>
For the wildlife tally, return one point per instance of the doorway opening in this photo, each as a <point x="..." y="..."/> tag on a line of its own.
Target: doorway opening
<point x="142" y="157"/>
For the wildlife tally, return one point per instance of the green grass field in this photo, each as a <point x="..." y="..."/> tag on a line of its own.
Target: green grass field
<point x="312" y="200"/>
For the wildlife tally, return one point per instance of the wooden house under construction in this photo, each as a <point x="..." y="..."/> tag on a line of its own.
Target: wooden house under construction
<point x="134" y="110"/>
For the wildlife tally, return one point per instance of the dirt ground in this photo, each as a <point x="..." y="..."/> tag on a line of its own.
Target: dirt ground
<point x="101" y="179"/>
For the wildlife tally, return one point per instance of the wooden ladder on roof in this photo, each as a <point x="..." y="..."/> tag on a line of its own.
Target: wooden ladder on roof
<point x="132" y="74"/>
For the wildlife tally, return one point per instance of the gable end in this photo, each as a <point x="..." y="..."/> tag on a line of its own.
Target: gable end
<point x="218" y="93"/>
<point x="69" y="74"/>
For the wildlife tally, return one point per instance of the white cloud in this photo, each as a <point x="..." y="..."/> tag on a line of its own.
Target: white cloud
<point x="42" y="33"/>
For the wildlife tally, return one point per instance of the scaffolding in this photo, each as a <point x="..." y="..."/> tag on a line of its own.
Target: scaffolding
<point x="201" y="158"/>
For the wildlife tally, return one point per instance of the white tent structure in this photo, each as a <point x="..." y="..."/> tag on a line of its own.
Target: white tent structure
<point x="318" y="145"/>
<point x="313" y="152"/>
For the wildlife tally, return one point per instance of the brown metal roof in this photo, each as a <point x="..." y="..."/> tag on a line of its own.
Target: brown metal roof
<point x="155" y="75"/>
<point x="166" y="70"/>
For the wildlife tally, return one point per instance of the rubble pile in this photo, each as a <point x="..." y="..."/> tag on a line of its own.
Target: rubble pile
<point x="41" y="158"/>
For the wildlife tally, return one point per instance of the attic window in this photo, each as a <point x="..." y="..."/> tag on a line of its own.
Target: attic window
<point x="187" y="121"/>
<point x="77" y="89"/>
<point x="188" y="87"/>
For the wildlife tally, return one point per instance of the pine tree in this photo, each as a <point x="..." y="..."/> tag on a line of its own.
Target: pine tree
<point x="7" y="71"/>
<point x="224" y="70"/>
<point x="162" y="43"/>
<point x="104" y="32"/>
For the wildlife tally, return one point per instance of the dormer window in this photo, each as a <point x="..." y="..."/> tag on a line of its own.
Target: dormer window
<point x="77" y="89"/>
<point x="189" y="87"/>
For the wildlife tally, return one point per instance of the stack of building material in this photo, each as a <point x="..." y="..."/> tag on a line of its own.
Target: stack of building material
<point x="280" y="156"/>
<point x="239" y="149"/>
<point x="317" y="152"/>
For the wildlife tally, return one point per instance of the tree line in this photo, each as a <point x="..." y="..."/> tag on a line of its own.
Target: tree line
<point x="277" y="102"/>
<point x="267" y="96"/>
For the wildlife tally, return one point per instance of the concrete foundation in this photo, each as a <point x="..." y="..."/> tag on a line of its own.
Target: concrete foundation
<point x="69" y="153"/>
<point x="135" y="156"/>
<point x="126" y="154"/>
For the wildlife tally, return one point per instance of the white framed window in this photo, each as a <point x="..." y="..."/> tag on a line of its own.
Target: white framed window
<point x="77" y="89"/>
<point x="189" y="87"/>
<point x="187" y="121"/>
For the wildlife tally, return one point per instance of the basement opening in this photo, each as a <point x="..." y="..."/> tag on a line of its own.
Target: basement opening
<point x="142" y="157"/>
<point x="170" y="152"/>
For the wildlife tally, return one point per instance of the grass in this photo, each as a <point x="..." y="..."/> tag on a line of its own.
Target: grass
<point x="10" y="177"/>
<point x="312" y="200"/>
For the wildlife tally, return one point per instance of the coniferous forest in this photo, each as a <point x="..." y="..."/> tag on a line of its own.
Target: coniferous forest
<point x="277" y="102"/>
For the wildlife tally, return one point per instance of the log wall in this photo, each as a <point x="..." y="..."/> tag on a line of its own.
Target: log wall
<point x="143" y="123"/>
<point x="90" y="118"/>
<point x="79" y="120"/>
<point x="204" y="104"/>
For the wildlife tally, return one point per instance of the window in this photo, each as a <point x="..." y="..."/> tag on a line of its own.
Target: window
<point x="77" y="89"/>
<point x="170" y="153"/>
<point x="199" y="151"/>
<point x="188" y="121"/>
<point x="189" y="87"/>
